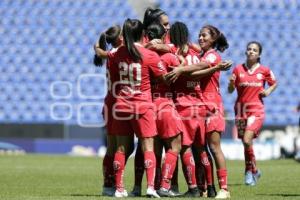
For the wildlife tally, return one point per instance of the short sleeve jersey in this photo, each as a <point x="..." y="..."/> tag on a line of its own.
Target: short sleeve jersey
<point x="249" y="83"/>
<point x="169" y="60"/>
<point x="186" y="90"/>
<point x="133" y="90"/>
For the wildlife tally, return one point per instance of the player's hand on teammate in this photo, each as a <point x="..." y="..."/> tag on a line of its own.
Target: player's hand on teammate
<point x="173" y="75"/>
<point x="225" y="65"/>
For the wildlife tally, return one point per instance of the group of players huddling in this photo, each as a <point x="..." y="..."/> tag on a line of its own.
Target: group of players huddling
<point x="165" y="90"/>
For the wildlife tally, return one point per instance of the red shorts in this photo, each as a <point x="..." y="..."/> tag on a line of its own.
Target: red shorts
<point x="194" y="125"/>
<point x="168" y="122"/>
<point x="143" y="125"/>
<point x="252" y="123"/>
<point x="215" y="120"/>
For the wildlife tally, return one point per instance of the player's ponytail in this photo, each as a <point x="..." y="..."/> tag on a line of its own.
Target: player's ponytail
<point x="152" y="15"/>
<point x="155" y="31"/>
<point x="179" y="34"/>
<point x="132" y="32"/>
<point x="110" y="36"/>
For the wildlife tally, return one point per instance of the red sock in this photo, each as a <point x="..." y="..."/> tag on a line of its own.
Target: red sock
<point x="174" y="180"/>
<point x="208" y="167"/>
<point x="157" y="172"/>
<point x="138" y="166"/>
<point x="150" y="165"/>
<point x="189" y="169"/>
<point x="108" y="171"/>
<point x="250" y="161"/>
<point x="119" y="166"/>
<point x="222" y="178"/>
<point x="168" y="169"/>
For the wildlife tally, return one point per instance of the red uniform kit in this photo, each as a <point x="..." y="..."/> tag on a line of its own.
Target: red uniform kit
<point x="210" y="93"/>
<point x="249" y="107"/>
<point x="189" y="105"/>
<point x="133" y="91"/>
<point x="168" y="121"/>
<point x="112" y="77"/>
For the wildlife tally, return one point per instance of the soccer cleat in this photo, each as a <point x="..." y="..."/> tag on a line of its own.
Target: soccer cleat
<point x="249" y="179"/>
<point x="108" y="191"/>
<point x="151" y="193"/>
<point x="163" y="192"/>
<point x="120" y="194"/>
<point x="175" y="190"/>
<point x="256" y="176"/>
<point x="136" y="192"/>
<point x="203" y="194"/>
<point x="192" y="192"/>
<point x="223" y="194"/>
<point x="211" y="191"/>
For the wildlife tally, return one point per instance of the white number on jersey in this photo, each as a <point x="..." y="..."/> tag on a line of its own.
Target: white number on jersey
<point x="192" y="60"/>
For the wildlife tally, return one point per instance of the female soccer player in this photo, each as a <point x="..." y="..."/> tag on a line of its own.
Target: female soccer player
<point x="249" y="79"/>
<point x="211" y="40"/>
<point x="169" y="124"/>
<point x="188" y="100"/>
<point x="112" y="36"/>
<point x="134" y="101"/>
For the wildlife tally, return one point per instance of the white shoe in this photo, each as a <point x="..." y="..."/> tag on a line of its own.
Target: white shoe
<point x="136" y="192"/>
<point x="119" y="194"/>
<point x="249" y="180"/>
<point x="108" y="191"/>
<point x="152" y="193"/>
<point x="223" y="194"/>
<point x="256" y="176"/>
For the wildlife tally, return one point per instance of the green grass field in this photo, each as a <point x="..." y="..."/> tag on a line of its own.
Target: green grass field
<point x="42" y="177"/>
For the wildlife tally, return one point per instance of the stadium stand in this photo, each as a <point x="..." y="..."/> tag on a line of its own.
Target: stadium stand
<point x="46" y="65"/>
<point x="47" y="75"/>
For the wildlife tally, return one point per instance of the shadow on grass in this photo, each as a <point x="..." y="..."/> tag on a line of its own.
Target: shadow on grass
<point x="281" y="195"/>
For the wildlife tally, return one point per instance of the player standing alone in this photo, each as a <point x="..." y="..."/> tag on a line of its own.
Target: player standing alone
<point x="249" y="79"/>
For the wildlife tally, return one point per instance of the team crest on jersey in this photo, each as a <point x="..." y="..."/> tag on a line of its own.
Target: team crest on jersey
<point x="259" y="76"/>
<point x="242" y="75"/>
<point x="211" y="58"/>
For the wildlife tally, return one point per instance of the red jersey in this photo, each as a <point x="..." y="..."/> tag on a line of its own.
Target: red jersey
<point x="210" y="86"/>
<point x="250" y="83"/>
<point x="111" y="77"/>
<point x="185" y="89"/>
<point x="133" y="90"/>
<point x="160" y="89"/>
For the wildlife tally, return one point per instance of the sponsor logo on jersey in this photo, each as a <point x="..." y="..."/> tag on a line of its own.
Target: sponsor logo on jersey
<point x="211" y="58"/>
<point x="191" y="84"/>
<point x="259" y="76"/>
<point x="250" y="84"/>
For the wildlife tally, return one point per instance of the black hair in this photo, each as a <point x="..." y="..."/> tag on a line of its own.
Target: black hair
<point x="259" y="47"/>
<point x="155" y="31"/>
<point x="152" y="15"/>
<point x="110" y="36"/>
<point x="133" y="32"/>
<point x="220" y="41"/>
<point x="179" y="34"/>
